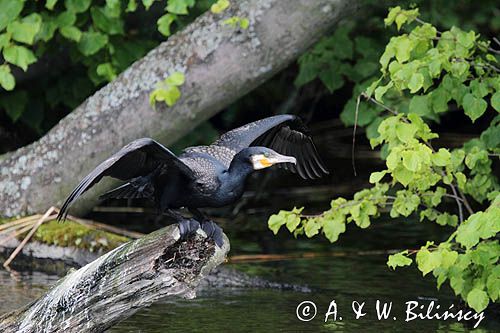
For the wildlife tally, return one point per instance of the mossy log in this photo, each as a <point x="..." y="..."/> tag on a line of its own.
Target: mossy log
<point x="119" y="283"/>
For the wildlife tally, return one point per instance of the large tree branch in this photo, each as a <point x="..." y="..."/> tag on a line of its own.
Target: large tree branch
<point x="220" y="62"/>
<point x="119" y="283"/>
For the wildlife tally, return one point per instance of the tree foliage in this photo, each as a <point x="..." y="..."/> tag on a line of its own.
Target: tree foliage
<point x="93" y="41"/>
<point x="422" y="72"/>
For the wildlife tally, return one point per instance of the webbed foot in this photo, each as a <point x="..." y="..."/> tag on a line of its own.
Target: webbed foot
<point x="213" y="231"/>
<point x="188" y="227"/>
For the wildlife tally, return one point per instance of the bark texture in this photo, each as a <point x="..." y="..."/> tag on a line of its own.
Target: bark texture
<point x="116" y="285"/>
<point x="221" y="63"/>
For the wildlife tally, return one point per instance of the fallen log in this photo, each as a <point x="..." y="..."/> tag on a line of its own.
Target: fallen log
<point x="117" y="284"/>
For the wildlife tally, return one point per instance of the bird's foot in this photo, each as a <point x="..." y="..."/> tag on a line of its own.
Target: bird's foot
<point x="188" y="227"/>
<point x="213" y="231"/>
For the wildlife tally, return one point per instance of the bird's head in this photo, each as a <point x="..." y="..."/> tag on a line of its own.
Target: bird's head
<point x="262" y="157"/>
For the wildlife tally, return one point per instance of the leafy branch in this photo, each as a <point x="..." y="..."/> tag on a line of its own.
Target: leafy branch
<point x="421" y="73"/>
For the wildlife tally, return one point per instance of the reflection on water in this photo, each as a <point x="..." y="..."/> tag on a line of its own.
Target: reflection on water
<point x="362" y="278"/>
<point x="18" y="289"/>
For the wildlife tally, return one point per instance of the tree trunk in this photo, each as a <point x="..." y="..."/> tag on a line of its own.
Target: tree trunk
<point x="116" y="285"/>
<point x="221" y="63"/>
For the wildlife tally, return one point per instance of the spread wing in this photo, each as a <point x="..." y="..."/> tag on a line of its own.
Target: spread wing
<point x="139" y="158"/>
<point x="285" y="134"/>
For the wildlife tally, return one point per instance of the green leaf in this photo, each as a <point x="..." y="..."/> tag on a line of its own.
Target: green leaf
<point x="47" y="29"/>
<point x="172" y="95"/>
<point x="49" y="4"/>
<point x="71" y="32"/>
<point x="77" y="6"/>
<point x="416" y="82"/>
<point x="440" y="98"/>
<point x="441" y="158"/>
<point x="481" y="225"/>
<point x="411" y="160"/>
<point x="375" y="177"/>
<point x="19" y="56"/>
<point x="491" y="136"/>
<point x="381" y="90"/>
<point x="437" y="196"/>
<point x="113" y="8"/>
<point x="292" y="222"/>
<point x="131" y="6"/>
<point x="107" y="71"/>
<point x="25" y="30"/>
<point x="399" y="260"/>
<point x="419" y="104"/>
<point x="275" y="222"/>
<point x="244" y="23"/>
<point x="4" y="40"/>
<point x="164" y="24"/>
<point x="333" y="226"/>
<point x="167" y="93"/>
<point x="147" y="3"/>
<point x="331" y="79"/>
<point x="403" y="49"/>
<point x="466" y="39"/>
<point x="65" y="19"/>
<point x="447" y="219"/>
<point x="474" y="107"/>
<point x="478" y="299"/>
<point x="7" y="80"/>
<point x="459" y="69"/>
<point x="308" y="71"/>
<point x="391" y="16"/>
<point x="493" y="284"/>
<point x="175" y="79"/>
<point x="311" y="228"/>
<point x="479" y="88"/>
<point x="91" y="42"/>
<point x="448" y="258"/>
<point x="428" y="261"/>
<point x="14" y="104"/>
<point x="405" y="202"/>
<point x="236" y="21"/>
<point x="495" y="101"/>
<point x="106" y="23"/>
<point x="178" y="6"/>
<point x="405" y="132"/>
<point x="10" y="10"/>
<point x="219" y="6"/>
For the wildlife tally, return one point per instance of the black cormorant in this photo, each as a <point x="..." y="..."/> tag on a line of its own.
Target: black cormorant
<point x="205" y="176"/>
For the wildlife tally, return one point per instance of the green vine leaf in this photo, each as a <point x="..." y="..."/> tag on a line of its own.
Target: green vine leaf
<point x="19" y="56"/>
<point x="10" y="11"/>
<point x="399" y="260"/>
<point x="478" y="299"/>
<point x="7" y="80"/>
<point x="167" y="91"/>
<point x="474" y="107"/>
<point x="219" y="6"/>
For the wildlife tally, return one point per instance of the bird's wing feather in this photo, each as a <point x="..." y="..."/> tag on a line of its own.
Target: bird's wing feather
<point x="285" y="134"/>
<point x="242" y="137"/>
<point x="138" y="158"/>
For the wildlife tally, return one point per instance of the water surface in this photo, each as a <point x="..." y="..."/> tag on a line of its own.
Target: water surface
<point x="353" y="269"/>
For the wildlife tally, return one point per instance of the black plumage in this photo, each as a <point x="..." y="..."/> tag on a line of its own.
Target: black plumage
<point x="206" y="176"/>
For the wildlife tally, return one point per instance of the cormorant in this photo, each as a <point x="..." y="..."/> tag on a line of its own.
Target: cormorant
<point x="205" y="176"/>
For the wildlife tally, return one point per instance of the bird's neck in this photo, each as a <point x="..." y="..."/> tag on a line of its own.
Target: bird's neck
<point x="239" y="169"/>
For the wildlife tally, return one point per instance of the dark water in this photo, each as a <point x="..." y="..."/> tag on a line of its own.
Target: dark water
<point x="343" y="274"/>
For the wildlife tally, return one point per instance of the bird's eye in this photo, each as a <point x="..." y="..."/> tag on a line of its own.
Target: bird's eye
<point x="266" y="154"/>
